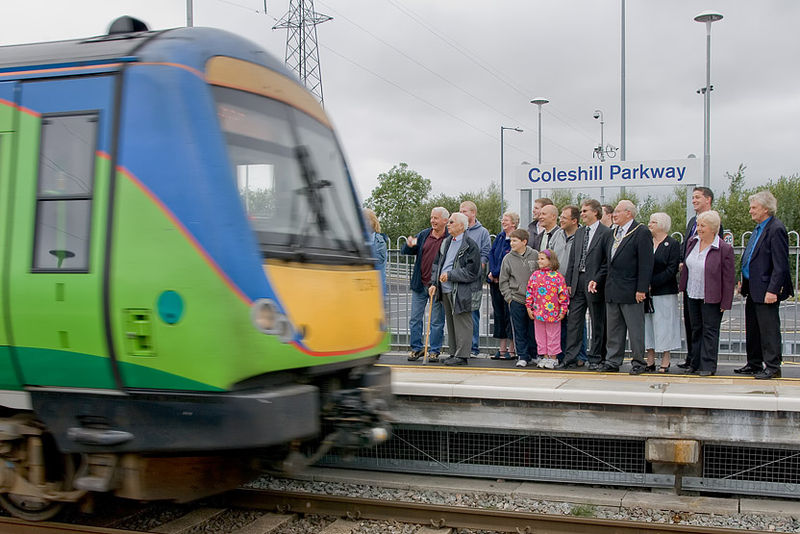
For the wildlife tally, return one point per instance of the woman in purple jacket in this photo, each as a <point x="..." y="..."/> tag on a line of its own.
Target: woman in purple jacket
<point x="708" y="277"/>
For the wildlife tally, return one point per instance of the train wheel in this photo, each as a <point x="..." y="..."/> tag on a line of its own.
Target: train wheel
<point x="29" y="508"/>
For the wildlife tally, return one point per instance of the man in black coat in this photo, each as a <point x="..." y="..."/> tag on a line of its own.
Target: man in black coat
<point x="586" y="278"/>
<point x="766" y="281"/>
<point x="630" y="266"/>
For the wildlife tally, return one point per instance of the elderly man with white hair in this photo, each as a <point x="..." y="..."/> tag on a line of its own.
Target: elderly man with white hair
<point x="456" y="282"/>
<point x="766" y="281"/>
<point x="630" y="267"/>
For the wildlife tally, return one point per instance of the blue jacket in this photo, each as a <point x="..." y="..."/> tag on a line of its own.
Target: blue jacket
<point x="480" y="235"/>
<point x="500" y="248"/>
<point x="769" y="265"/>
<point x="416" y="276"/>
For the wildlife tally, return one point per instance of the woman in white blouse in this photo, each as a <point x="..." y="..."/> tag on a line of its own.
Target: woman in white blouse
<point x="708" y="277"/>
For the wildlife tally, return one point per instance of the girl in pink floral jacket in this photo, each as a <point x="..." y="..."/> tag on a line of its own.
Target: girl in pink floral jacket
<point x="547" y="301"/>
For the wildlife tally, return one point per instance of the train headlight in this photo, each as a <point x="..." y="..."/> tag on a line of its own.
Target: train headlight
<point x="268" y="319"/>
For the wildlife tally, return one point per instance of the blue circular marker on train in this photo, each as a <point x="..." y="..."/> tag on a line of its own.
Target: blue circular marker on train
<point x="170" y="307"/>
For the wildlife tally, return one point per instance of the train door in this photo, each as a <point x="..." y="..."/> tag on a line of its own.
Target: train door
<point x="8" y="375"/>
<point x="57" y="245"/>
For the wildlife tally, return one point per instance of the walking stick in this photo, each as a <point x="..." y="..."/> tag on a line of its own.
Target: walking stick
<point x="428" y="331"/>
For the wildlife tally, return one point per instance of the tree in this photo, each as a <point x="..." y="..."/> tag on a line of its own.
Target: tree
<point x="398" y="198"/>
<point x="734" y="205"/>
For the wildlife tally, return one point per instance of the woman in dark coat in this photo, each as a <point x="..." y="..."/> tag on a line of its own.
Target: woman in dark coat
<point x="502" y="319"/>
<point x="708" y="277"/>
<point x="662" y="326"/>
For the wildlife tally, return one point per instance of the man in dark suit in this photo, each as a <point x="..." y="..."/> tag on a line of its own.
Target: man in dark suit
<point x="630" y="266"/>
<point x="766" y="281"/>
<point x="702" y="198"/>
<point x="586" y="278"/>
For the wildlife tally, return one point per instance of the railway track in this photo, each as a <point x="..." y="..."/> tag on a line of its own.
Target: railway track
<point x="271" y="512"/>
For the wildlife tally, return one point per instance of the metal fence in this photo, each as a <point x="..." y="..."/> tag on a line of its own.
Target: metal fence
<point x="400" y="267"/>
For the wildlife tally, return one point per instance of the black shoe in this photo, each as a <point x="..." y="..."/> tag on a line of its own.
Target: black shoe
<point x="455" y="361"/>
<point x="690" y="371"/>
<point x="594" y="366"/>
<point x="706" y="373"/>
<point x="608" y="368"/>
<point x="768" y="373"/>
<point x="415" y="355"/>
<point x="684" y="365"/>
<point x="638" y="369"/>
<point x="748" y="370"/>
<point x="566" y="365"/>
<point x="650" y="368"/>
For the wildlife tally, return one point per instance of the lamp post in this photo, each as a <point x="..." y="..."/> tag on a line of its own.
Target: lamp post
<point x="540" y="101"/>
<point x="708" y="17"/>
<point x="502" y="168"/>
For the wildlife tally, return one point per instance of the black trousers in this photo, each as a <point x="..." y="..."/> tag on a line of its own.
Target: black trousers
<point x="576" y="322"/>
<point x="763" y="324"/>
<point x="502" y="316"/>
<point x="687" y="323"/>
<point x="705" y="320"/>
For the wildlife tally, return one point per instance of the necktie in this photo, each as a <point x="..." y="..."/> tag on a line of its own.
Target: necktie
<point x="692" y="231"/>
<point x="618" y="235"/>
<point x="748" y="251"/>
<point x="584" y="250"/>
<point x="545" y="240"/>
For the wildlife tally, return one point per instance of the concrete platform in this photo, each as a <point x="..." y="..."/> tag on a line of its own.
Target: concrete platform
<point x="735" y="409"/>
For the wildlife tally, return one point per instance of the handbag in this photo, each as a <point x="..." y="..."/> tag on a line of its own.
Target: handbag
<point x="648" y="304"/>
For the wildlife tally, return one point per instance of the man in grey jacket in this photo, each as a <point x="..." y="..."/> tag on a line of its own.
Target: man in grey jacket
<point x="480" y="235"/>
<point x="456" y="281"/>
<point x="515" y="271"/>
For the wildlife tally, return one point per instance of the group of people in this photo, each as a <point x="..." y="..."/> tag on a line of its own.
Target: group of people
<point x="626" y="274"/>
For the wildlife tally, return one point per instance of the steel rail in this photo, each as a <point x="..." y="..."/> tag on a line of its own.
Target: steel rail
<point x="439" y="516"/>
<point x="9" y="525"/>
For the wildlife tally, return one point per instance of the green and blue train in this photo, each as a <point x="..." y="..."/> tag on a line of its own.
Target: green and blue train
<point x="185" y="284"/>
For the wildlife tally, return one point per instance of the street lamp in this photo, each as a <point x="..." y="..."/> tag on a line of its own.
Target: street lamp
<point x="602" y="150"/>
<point x="708" y="17"/>
<point x="540" y="101"/>
<point x="502" y="169"/>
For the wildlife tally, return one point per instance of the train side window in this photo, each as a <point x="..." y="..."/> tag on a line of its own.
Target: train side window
<point x="64" y="192"/>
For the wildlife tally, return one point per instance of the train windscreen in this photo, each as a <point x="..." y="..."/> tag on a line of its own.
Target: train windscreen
<point x="292" y="178"/>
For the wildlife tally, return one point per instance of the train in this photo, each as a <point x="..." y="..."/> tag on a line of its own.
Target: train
<point x="187" y="292"/>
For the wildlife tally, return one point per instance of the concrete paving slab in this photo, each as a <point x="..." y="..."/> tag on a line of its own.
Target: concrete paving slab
<point x="612" y="391"/>
<point x="680" y="503"/>
<point x="771" y="506"/>
<point x="722" y="394"/>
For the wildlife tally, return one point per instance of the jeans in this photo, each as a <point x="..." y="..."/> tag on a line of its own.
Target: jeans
<point x="476" y="323"/>
<point x="524" y="336"/>
<point x="419" y="300"/>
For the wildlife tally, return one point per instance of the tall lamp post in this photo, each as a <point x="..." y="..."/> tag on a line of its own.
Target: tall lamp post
<point x="540" y="101"/>
<point x="708" y="17"/>
<point x="502" y="168"/>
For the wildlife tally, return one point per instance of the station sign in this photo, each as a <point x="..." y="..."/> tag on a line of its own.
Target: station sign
<point x="609" y="174"/>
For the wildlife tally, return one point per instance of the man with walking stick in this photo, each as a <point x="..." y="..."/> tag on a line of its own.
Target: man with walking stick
<point x="425" y="245"/>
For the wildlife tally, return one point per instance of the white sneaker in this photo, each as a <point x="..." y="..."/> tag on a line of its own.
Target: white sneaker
<point x="542" y="363"/>
<point x="522" y="363"/>
<point x="550" y="363"/>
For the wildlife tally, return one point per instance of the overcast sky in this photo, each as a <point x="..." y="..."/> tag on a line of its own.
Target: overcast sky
<point x="430" y="82"/>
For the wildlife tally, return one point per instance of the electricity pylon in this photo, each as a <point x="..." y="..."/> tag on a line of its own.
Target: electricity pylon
<point x="302" y="51"/>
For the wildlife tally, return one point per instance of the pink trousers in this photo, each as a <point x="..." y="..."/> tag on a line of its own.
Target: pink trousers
<point x="548" y="337"/>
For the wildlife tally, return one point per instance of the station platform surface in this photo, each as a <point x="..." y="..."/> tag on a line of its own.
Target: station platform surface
<point x="485" y="378"/>
<point x="497" y="396"/>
